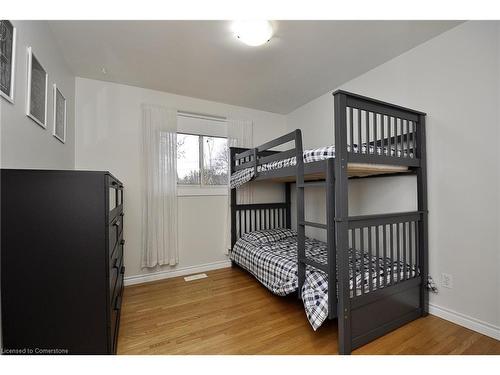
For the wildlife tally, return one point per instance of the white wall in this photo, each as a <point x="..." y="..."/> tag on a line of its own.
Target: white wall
<point x="24" y="143"/>
<point x="108" y="119"/>
<point x="455" y="79"/>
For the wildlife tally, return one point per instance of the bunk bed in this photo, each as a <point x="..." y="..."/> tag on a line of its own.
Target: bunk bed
<point x="371" y="273"/>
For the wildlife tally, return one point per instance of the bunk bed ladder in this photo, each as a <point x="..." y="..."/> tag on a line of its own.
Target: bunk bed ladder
<point x="330" y="267"/>
<point x="331" y="264"/>
<point x="303" y="260"/>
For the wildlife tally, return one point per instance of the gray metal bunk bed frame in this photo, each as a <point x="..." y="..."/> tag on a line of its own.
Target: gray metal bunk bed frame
<point x="387" y="302"/>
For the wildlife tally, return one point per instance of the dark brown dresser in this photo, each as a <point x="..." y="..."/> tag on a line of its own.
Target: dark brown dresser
<point x="61" y="261"/>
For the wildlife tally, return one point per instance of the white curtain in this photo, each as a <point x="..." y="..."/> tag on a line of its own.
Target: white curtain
<point x="159" y="186"/>
<point x="239" y="134"/>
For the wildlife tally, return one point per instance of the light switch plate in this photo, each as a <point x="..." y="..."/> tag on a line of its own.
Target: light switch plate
<point x="447" y="280"/>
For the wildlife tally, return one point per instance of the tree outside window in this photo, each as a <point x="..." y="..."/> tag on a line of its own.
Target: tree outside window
<point x="202" y="160"/>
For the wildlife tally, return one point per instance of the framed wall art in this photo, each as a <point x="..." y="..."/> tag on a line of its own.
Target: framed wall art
<point x="7" y="60"/>
<point x="36" y="98"/>
<point x="59" y="115"/>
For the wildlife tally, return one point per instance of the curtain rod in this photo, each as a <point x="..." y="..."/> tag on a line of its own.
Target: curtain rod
<point x="202" y="116"/>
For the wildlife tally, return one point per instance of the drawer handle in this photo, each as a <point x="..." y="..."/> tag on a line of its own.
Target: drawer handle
<point x="115" y="264"/>
<point x="117" y="223"/>
<point x="122" y="214"/>
<point x="118" y="303"/>
<point x="114" y="183"/>
<point x="122" y="242"/>
<point x="123" y="270"/>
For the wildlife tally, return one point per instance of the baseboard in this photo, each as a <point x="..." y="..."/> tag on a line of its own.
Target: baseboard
<point x="139" y="279"/>
<point x="466" y="321"/>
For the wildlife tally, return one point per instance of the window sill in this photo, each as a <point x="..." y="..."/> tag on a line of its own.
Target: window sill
<point x="194" y="191"/>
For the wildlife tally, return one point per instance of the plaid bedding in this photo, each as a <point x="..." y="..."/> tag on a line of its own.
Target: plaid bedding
<point x="274" y="264"/>
<point x="245" y="175"/>
<point x="268" y="235"/>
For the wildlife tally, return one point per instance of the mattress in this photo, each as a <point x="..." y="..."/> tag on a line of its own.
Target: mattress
<point x="271" y="257"/>
<point x="243" y="176"/>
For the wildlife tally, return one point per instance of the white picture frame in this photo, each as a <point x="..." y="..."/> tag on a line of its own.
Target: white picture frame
<point x="10" y="95"/>
<point x="37" y="90"/>
<point x="60" y="116"/>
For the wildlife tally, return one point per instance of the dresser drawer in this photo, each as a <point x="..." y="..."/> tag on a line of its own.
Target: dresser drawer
<point x="116" y="270"/>
<point x="115" y="229"/>
<point x="115" y="197"/>
<point x="115" y="319"/>
<point x="117" y="291"/>
<point x="118" y="243"/>
<point x="114" y="333"/>
<point x="119" y="284"/>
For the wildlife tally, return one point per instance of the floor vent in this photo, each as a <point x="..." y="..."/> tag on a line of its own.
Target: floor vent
<point x="195" y="277"/>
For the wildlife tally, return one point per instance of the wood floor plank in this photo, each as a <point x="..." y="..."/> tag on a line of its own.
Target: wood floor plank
<point x="231" y="313"/>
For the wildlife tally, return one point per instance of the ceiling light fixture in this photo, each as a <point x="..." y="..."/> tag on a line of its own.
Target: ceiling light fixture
<point x="253" y="33"/>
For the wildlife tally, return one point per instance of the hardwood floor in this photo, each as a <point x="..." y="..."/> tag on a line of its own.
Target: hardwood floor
<point x="231" y="313"/>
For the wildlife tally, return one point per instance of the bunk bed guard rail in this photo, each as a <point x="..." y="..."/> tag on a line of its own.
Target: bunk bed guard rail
<point x="246" y="218"/>
<point x="377" y="132"/>
<point x="255" y="157"/>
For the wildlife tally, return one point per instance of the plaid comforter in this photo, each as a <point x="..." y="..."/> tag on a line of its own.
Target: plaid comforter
<point x="274" y="264"/>
<point x="245" y="175"/>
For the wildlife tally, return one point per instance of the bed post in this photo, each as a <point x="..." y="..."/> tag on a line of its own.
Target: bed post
<point x="301" y="229"/>
<point x="423" y="234"/>
<point x="288" y="210"/>
<point x="330" y="238"/>
<point x="232" y="154"/>
<point x="341" y="224"/>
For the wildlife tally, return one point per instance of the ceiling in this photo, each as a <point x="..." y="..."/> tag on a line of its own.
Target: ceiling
<point x="202" y="59"/>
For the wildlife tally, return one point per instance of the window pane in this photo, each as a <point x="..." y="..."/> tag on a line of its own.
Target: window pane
<point x="215" y="161"/>
<point x="188" y="156"/>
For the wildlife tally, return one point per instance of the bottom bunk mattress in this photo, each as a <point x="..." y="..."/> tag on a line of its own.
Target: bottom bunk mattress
<point x="271" y="256"/>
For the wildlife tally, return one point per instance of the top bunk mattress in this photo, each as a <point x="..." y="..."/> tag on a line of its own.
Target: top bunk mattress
<point x="243" y="176"/>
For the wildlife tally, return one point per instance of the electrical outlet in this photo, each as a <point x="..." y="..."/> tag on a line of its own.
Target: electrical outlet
<point x="447" y="280"/>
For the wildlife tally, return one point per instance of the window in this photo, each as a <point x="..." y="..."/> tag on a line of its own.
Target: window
<point x="202" y="160"/>
<point x="188" y="155"/>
